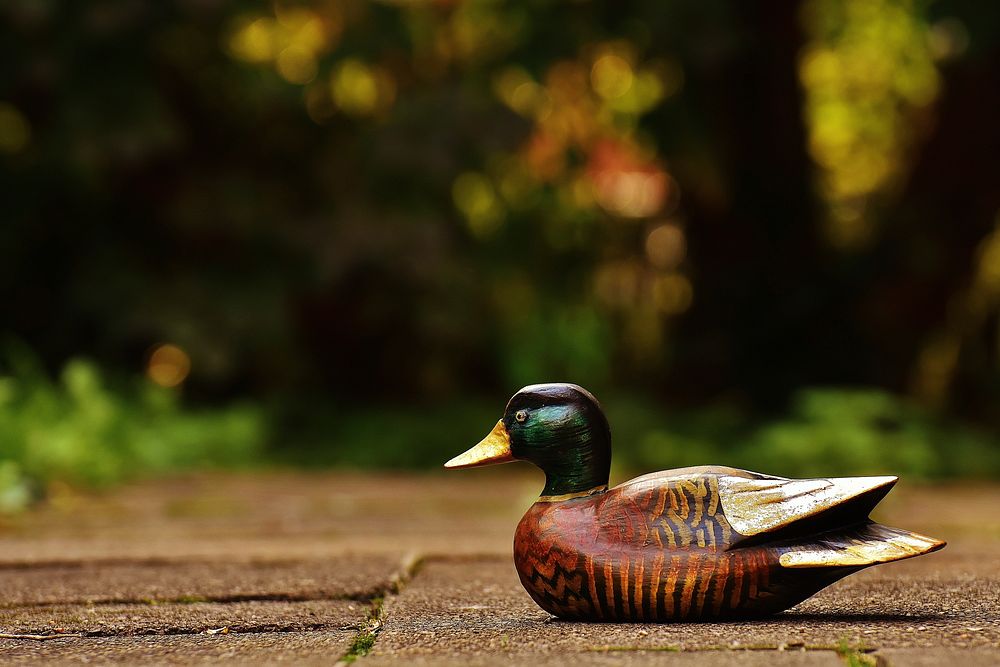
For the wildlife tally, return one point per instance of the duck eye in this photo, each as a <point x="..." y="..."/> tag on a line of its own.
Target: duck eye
<point x="521" y="416"/>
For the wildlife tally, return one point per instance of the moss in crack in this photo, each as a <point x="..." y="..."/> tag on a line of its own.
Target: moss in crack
<point x="360" y="647"/>
<point x="364" y="641"/>
<point x="190" y="599"/>
<point x="857" y="656"/>
<point x="612" y="649"/>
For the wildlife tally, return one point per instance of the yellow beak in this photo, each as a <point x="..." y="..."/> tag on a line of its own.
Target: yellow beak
<point x="494" y="448"/>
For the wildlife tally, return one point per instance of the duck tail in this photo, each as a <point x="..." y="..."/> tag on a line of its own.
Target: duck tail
<point x="857" y="546"/>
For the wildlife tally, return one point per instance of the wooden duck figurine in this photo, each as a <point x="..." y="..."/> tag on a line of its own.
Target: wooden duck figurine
<point x="699" y="543"/>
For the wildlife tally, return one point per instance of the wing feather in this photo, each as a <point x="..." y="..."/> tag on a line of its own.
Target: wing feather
<point x="868" y="544"/>
<point x="727" y="508"/>
<point x="759" y="506"/>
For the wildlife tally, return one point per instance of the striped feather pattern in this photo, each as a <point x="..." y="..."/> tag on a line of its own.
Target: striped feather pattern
<point x="656" y="553"/>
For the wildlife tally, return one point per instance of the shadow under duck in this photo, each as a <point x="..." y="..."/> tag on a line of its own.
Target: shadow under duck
<point x="699" y="543"/>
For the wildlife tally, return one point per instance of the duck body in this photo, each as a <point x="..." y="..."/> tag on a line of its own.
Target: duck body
<point x="701" y="543"/>
<point x="660" y="547"/>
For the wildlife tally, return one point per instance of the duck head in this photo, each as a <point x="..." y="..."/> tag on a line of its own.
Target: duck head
<point x="558" y="427"/>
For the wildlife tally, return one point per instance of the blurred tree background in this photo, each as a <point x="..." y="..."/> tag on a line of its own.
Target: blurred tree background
<point x="343" y="231"/>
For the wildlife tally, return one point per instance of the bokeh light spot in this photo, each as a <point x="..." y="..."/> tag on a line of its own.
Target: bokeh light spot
<point x="626" y="183"/>
<point x="292" y="40"/>
<point x="296" y="65"/>
<point x="672" y="294"/>
<point x="476" y="198"/>
<point x="168" y="365"/>
<point x="666" y="246"/>
<point x="631" y="194"/>
<point x="359" y="89"/>
<point x="611" y="76"/>
<point x="254" y="41"/>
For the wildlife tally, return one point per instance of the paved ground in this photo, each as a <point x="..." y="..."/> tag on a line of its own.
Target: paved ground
<point x="389" y="569"/>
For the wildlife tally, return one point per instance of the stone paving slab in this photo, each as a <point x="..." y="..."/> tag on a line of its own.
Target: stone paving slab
<point x="276" y="516"/>
<point x="269" y="551"/>
<point x="193" y="618"/>
<point x="323" y="647"/>
<point x="728" y="658"/>
<point x="344" y="576"/>
<point x="461" y="610"/>
<point x="286" y="516"/>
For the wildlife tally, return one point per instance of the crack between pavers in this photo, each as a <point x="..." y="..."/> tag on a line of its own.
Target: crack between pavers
<point x="174" y="632"/>
<point x="359" y="596"/>
<point x="364" y="640"/>
<point x="77" y="564"/>
<point x="362" y="643"/>
<point x="465" y="558"/>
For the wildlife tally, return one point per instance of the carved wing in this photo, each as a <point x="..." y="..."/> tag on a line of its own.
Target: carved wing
<point x="723" y="508"/>
<point x="762" y="506"/>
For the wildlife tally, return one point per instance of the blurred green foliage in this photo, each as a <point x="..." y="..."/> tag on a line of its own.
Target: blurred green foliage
<point x="362" y="218"/>
<point x="826" y="432"/>
<point x="77" y="430"/>
<point x="80" y="431"/>
<point x="406" y="202"/>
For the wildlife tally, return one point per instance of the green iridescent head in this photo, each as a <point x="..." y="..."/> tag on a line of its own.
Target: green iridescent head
<point x="560" y="428"/>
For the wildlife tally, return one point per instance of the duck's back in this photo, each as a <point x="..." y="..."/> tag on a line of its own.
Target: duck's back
<point x="705" y="542"/>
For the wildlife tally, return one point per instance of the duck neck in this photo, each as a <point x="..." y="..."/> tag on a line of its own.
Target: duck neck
<point x="579" y="469"/>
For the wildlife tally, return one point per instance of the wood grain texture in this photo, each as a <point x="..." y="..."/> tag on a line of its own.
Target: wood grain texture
<point x="706" y="542"/>
<point x="660" y="548"/>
